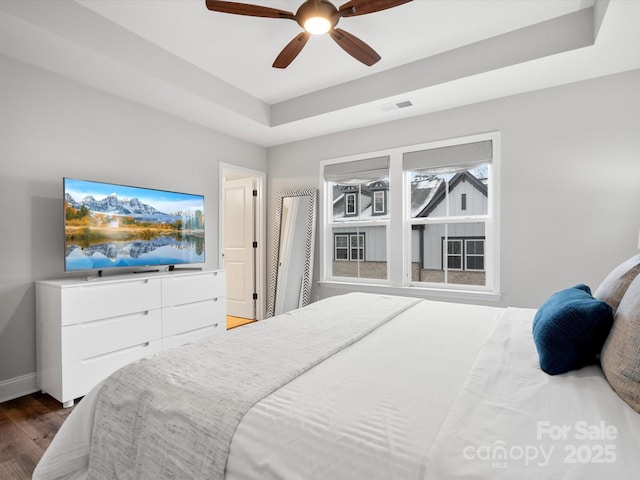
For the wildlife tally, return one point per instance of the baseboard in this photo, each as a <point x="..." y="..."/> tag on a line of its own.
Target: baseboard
<point x="18" y="387"/>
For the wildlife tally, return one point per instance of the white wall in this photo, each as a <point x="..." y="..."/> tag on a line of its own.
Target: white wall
<point x="570" y="201"/>
<point x="51" y="127"/>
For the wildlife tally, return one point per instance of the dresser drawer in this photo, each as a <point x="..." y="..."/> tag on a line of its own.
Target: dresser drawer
<point x="92" y="339"/>
<point x="192" y="336"/>
<point x="106" y="300"/>
<point x="191" y="316"/>
<point x="80" y="377"/>
<point x="181" y="289"/>
<point x="85" y="330"/>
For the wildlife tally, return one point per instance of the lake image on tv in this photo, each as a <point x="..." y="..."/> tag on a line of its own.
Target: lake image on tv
<point x="110" y="225"/>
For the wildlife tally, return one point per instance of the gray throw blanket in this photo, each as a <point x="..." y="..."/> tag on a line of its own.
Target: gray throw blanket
<point x="174" y="415"/>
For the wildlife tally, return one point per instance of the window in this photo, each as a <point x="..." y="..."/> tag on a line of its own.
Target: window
<point x="341" y="243"/>
<point x="379" y="202"/>
<point x="453" y="253"/>
<point x="358" y="217"/>
<point x="349" y="247"/>
<point x="356" y="241"/>
<point x="449" y="195"/>
<point x="439" y="197"/>
<point x="474" y="254"/>
<point x="351" y="204"/>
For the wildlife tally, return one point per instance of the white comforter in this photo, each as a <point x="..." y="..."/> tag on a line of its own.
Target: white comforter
<point x="442" y="391"/>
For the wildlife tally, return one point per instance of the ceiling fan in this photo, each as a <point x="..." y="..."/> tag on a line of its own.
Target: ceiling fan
<point x="315" y="17"/>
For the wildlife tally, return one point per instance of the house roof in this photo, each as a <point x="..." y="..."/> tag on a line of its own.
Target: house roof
<point x="422" y="192"/>
<point x="438" y="194"/>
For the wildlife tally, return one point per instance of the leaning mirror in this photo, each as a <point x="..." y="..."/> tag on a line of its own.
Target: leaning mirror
<point x="292" y="264"/>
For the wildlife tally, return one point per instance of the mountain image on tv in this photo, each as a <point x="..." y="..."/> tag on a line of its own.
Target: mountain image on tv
<point x="130" y="226"/>
<point x="112" y="204"/>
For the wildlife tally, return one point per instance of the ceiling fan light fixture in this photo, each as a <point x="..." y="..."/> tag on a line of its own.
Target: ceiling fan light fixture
<point x="315" y="17"/>
<point x="317" y="25"/>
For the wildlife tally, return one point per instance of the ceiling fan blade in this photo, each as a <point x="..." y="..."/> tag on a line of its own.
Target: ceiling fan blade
<point x="247" y="9"/>
<point x="291" y="51"/>
<point x="360" y="7"/>
<point x="355" y="47"/>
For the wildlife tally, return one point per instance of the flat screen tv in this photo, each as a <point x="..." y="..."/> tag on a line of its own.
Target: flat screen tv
<point x="108" y="226"/>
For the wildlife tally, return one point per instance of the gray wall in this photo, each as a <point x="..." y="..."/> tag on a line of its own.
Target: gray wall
<point x="570" y="196"/>
<point x="51" y="127"/>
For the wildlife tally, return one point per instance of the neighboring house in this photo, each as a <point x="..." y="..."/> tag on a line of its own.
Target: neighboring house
<point x="364" y="202"/>
<point x="356" y="206"/>
<point x="464" y="248"/>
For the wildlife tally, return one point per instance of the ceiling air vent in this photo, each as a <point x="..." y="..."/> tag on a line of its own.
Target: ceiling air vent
<point x="387" y="107"/>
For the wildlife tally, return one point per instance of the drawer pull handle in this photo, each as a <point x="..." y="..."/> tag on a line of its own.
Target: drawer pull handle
<point x="104" y="321"/>
<point x="193" y="304"/>
<point x="126" y="284"/>
<point x="140" y="346"/>
<point x="199" y="329"/>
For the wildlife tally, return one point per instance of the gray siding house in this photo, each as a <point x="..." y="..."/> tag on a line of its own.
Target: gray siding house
<point x="361" y="250"/>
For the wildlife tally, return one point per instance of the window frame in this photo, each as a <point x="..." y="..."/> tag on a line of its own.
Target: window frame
<point x="349" y="247"/>
<point x="374" y="211"/>
<point x="359" y="247"/>
<point x="347" y="196"/>
<point x="335" y="247"/>
<point x="399" y="226"/>
<point x="446" y="254"/>
<point x="475" y="255"/>
<point x="464" y="253"/>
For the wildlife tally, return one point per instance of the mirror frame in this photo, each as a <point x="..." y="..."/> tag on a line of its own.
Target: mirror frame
<point x="309" y="247"/>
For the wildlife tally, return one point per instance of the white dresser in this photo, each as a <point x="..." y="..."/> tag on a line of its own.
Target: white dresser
<point x="85" y="330"/>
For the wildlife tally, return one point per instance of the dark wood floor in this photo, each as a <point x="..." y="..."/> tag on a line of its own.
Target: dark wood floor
<point x="27" y="426"/>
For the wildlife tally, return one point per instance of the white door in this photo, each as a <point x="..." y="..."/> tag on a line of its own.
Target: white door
<point x="238" y="252"/>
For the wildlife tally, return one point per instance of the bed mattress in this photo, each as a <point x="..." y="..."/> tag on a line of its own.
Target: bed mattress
<point x="440" y="391"/>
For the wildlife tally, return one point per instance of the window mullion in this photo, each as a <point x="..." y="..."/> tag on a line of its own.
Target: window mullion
<point x="395" y="231"/>
<point x="445" y="259"/>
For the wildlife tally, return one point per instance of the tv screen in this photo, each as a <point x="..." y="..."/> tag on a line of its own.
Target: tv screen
<point x="113" y="226"/>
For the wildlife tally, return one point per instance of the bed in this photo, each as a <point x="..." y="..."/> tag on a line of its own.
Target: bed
<point x="366" y="386"/>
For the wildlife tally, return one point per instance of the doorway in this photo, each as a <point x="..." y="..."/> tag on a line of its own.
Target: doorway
<point x="242" y="241"/>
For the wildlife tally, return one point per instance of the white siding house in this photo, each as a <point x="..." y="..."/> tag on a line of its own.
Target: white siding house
<point x="462" y="195"/>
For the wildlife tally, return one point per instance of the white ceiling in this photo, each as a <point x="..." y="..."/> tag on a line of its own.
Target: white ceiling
<point x="214" y="69"/>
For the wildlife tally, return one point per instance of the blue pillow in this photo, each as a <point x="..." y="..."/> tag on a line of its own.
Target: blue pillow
<point x="569" y="330"/>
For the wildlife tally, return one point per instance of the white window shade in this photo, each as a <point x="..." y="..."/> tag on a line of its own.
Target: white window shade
<point x="358" y="171"/>
<point x="450" y="159"/>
